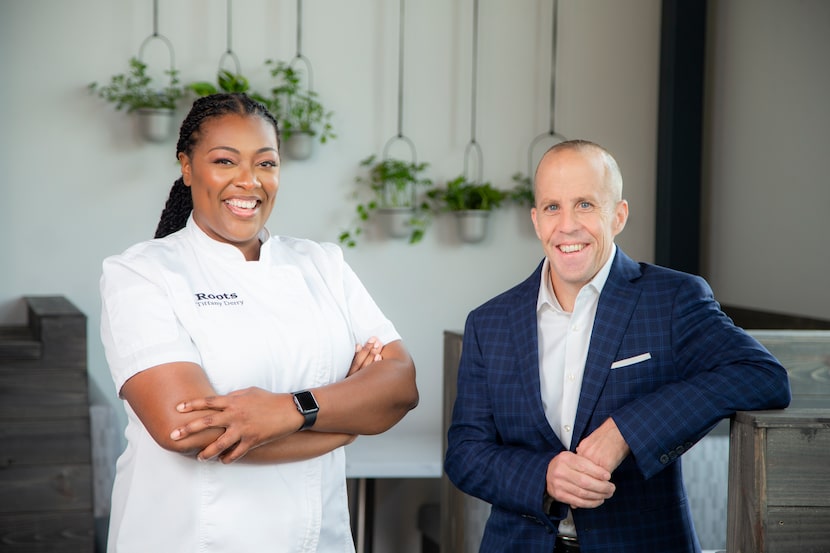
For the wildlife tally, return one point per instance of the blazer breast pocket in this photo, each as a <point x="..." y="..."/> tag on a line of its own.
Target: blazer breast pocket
<point x="628" y="361"/>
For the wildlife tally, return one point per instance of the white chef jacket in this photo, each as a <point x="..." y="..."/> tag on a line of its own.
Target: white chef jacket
<point x="287" y="322"/>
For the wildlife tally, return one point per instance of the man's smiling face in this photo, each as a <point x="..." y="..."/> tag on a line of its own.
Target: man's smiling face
<point x="577" y="214"/>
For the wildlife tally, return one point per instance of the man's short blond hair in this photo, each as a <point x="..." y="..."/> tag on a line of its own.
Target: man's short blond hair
<point x="613" y="176"/>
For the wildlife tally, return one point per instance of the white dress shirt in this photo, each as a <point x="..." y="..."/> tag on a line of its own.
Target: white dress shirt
<point x="564" y="339"/>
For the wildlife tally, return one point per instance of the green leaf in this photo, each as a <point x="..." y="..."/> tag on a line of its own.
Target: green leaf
<point x="134" y="90"/>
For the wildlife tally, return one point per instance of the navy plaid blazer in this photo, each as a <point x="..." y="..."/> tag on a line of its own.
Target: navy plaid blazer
<point x="701" y="369"/>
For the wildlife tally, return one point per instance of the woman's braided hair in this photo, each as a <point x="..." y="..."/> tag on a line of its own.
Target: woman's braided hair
<point x="180" y="202"/>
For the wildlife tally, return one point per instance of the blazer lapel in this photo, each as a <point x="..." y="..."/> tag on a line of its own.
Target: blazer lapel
<point x="616" y="305"/>
<point x="526" y="339"/>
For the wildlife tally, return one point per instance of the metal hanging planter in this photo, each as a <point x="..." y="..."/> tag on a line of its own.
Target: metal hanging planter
<point x="394" y="183"/>
<point x="229" y="81"/>
<point x="472" y="223"/>
<point x="304" y="119"/>
<point x="399" y="197"/>
<point x="156" y="124"/>
<point x="299" y="144"/>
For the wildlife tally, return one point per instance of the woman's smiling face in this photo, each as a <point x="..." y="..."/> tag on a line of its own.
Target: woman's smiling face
<point x="233" y="173"/>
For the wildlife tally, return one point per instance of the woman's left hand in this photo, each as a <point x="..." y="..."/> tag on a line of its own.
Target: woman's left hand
<point x="250" y="418"/>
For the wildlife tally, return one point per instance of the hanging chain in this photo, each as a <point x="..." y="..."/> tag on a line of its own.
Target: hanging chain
<point x="162" y="38"/>
<point x="400" y="136"/>
<point x="299" y="56"/>
<point x="155" y="17"/>
<point x="401" y="27"/>
<point x="229" y="53"/>
<point x="552" y="131"/>
<point x="299" y="27"/>
<point x="473" y="88"/>
<point x="229" y="27"/>
<point x="473" y="146"/>
<point x="554" y="34"/>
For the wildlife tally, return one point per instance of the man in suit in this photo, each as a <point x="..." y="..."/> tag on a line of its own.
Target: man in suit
<point x="580" y="388"/>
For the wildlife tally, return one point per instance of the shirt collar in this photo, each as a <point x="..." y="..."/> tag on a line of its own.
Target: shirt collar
<point x="546" y="295"/>
<point x="222" y="249"/>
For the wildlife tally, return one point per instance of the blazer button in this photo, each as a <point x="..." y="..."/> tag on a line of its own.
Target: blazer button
<point x="664" y="459"/>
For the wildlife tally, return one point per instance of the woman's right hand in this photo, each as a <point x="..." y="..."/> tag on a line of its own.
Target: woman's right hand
<point x="365" y="355"/>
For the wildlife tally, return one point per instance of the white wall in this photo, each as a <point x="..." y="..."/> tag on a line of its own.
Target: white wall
<point x="766" y="178"/>
<point x="79" y="185"/>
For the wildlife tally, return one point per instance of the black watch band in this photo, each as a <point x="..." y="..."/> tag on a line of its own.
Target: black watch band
<point x="307" y="406"/>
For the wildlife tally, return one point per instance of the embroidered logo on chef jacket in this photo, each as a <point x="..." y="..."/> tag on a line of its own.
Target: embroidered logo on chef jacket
<point x="218" y="300"/>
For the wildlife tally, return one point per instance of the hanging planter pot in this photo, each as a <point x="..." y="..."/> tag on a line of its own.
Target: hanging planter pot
<point x="470" y="202"/>
<point x="392" y="204"/>
<point x="134" y="92"/>
<point x="302" y="117"/>
<point x="396" y="220"/>
<point x="299" y="145"/>
<point x="155" y="124"/>
<point x="472" y="224"/>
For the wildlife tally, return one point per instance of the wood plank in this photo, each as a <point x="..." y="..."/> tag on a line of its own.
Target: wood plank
<point x="46" y="499"/>
<point x="68" y="532"/>
<point x="798" y="468"/>
<point x="17" y="343"/>
<point x="51" y="306"/>
<point x="46" y="488"/>
<point x="806" y="356"/>
<point x="801" y="529"/>
<point x="45" y="441"/>
<point x="746" y="459"/>
<point x="779" y="482"/>
<point x="42" y="394"/>
<point x="61" y="328"/>
<point x="462" y="515"/>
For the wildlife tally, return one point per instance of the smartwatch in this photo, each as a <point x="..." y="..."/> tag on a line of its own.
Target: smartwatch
<point x="307" y="406"/>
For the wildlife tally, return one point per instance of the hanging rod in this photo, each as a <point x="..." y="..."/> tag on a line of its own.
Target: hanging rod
<point x="160" y="37"/>
<point x="229" y="53"/>
<point x="401" y="28"/>
<point x="554" y="34"/>
<point x="473" y="146"/>
<point x="552" y="130"/>
<point x="299" y="56"/>
<point x="299" y="27"/>
<point x="400" y="136"/>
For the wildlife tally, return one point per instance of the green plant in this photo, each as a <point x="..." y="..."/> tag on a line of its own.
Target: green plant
<point x="298" y="109"/>
<point x="393" y="184"/>
<point x="522" y="192"/>
<point x="460" y="195"/>
<point x="133" y="91"/>
<point x="226" y="81"/>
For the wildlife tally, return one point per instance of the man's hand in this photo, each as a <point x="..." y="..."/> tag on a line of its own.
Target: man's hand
<point x="605" y="446"/>
<point x="577" y="481"/>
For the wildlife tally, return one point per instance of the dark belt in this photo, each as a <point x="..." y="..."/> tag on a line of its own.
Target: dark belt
<point x="566" y="544"/>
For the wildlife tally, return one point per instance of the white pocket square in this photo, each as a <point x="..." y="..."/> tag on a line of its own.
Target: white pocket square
<point x="631" y="360"/>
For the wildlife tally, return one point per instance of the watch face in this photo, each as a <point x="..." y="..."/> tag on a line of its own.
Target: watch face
<point x="306" y="401"/>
